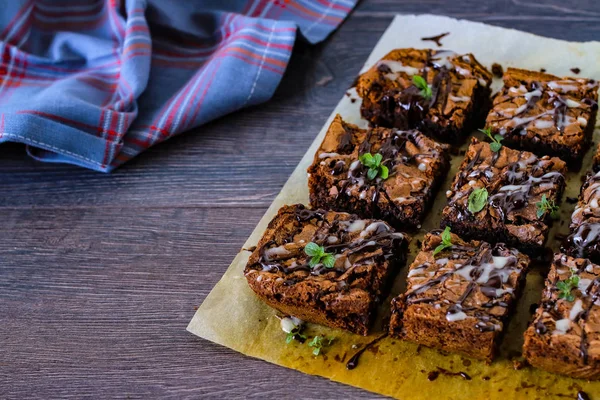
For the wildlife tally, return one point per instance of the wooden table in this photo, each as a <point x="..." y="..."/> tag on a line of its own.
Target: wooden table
<point x="100" y="274"/>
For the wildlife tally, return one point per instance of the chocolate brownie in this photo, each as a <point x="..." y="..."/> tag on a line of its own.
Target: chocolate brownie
<point x="460" y="298"/>
<point x="545" y="114"/>
<point x="415" y="166"/>
<point x="520" y="192"/>
<point x="584" y="240"/>
<point x="564" y="336"/>
<point x="443" y="94"/>
<point x="325" y="267"/>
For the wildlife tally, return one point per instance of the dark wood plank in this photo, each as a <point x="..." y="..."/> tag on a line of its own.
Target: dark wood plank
<point x="89" y="309"/>
<point x="245" y="158"/>
<point x="99" y="273"/>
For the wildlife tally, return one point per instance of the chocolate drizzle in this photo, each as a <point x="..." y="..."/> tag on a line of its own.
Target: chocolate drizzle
<point x="347" y="239"/>
<point x="487" y="270"/>
<point x="353" y="361"/>
<point x="510" y="187"/>
<point x="437" y="39"/>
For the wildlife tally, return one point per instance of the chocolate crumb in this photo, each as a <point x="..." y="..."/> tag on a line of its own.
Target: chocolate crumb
<point x="432" y="376"/>
<point x="348" y="94"/>
<point x="572" y="200"/>
<point x="497" y="70"/>
<point x="542" y="69"/>
<point x="437" y="38"/>
<point x="485" y="378"/>
<point x="250" y="249"/>
<point x="353" y="100"/>
<point x="575" y="70"/>
<point x="195" y="307"/>
<point x="519" y="363"/>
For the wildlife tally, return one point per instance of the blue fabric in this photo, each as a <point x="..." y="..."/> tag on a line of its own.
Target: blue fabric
<point x="96" y="82"/>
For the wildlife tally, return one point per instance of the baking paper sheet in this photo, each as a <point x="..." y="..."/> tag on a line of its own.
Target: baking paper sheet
<point x="232" y="316"/>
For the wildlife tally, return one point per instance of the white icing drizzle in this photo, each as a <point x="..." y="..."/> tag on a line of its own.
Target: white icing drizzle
<point x="356" y="226"/>
<point x="562" y="326"/>
<point x="397" y="67"/>
<point x="328" y="155"/>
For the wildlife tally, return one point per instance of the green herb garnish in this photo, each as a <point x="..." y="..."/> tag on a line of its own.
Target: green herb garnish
<point x="477" y="200"/>
<point x="496" y="139"/>
<point x="446" y="241"/>
<point x="295" y="334"/>
<point x="373" y="162"/>
<point x="565" y="287"/>
<point x="545" y="206"/>
<point x="422" y="85"/>
<point x="318" y="342"/>
<point x="319" y="256"/>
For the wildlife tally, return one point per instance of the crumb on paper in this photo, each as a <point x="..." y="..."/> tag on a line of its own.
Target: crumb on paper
<point x="575" y="70"/>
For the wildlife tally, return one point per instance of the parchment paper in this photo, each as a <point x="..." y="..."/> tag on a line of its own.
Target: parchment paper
<point x="232" y="316"/>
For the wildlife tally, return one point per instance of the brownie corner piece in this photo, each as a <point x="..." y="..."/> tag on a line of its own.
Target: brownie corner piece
<point x="459" y="299"/>
<point x="564" y="336"/>
<point x="517" y="193"/>
<point x="341" y="178"/>
<point x="545" y="114"/>
<point x="325" y="267"/>
<point x="441" y="93"/>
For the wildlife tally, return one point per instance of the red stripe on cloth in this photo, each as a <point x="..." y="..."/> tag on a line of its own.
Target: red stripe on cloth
<point x="15" y="19"/>
<point x="314" y="15"/>
<point x="333" y="5"/>
<point x="62" y="119"/>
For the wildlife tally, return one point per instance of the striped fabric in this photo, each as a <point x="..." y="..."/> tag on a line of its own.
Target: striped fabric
<point x="96" y="82"/>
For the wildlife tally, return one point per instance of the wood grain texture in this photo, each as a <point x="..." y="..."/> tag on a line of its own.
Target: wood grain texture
<point x="99" y="274"/>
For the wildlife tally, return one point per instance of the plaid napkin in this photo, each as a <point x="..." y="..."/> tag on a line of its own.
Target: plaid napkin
<point x="96" y="82"/>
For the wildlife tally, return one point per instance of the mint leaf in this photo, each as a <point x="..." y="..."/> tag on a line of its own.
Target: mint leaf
<point x="367" y="160"/>
<point x="495" y="144"/>
<point x="383" y="172"/>
<point x="422" y="85"/>
<point x="546" y="206"/>
<point x="372" y="173"/>
<point x="328" y="261"/>
<point x="446" y="241"/>
<point x="374" y="163"/>
<point x="318" y="255"/>
<point x="313" y="249"/>
<point x="565" y="287"/>
<point x="477" y="200"/>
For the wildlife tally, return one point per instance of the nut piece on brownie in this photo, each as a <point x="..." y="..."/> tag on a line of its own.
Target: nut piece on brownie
<point x="564" y="336"/>
<point x="459" y="299"/>
<point x="545" y="114"/>
<point x="345" y="175"/>
<point x="506" y="196"/>
<point x="584" y="240"/>
<point x="326" y="267"/>
<point x="441" y="93"/>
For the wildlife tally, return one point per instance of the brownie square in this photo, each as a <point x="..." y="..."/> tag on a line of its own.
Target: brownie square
<point x="516" y="182"/>
<point x="416" y="165"/>
<point x="584" y="240"/>
<point x="545" y="114"/>
<point x="459" y="299"/>
<point x="564" y="336"/>
<point x="459" y="95"/>
<point x="364" y="255"/>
